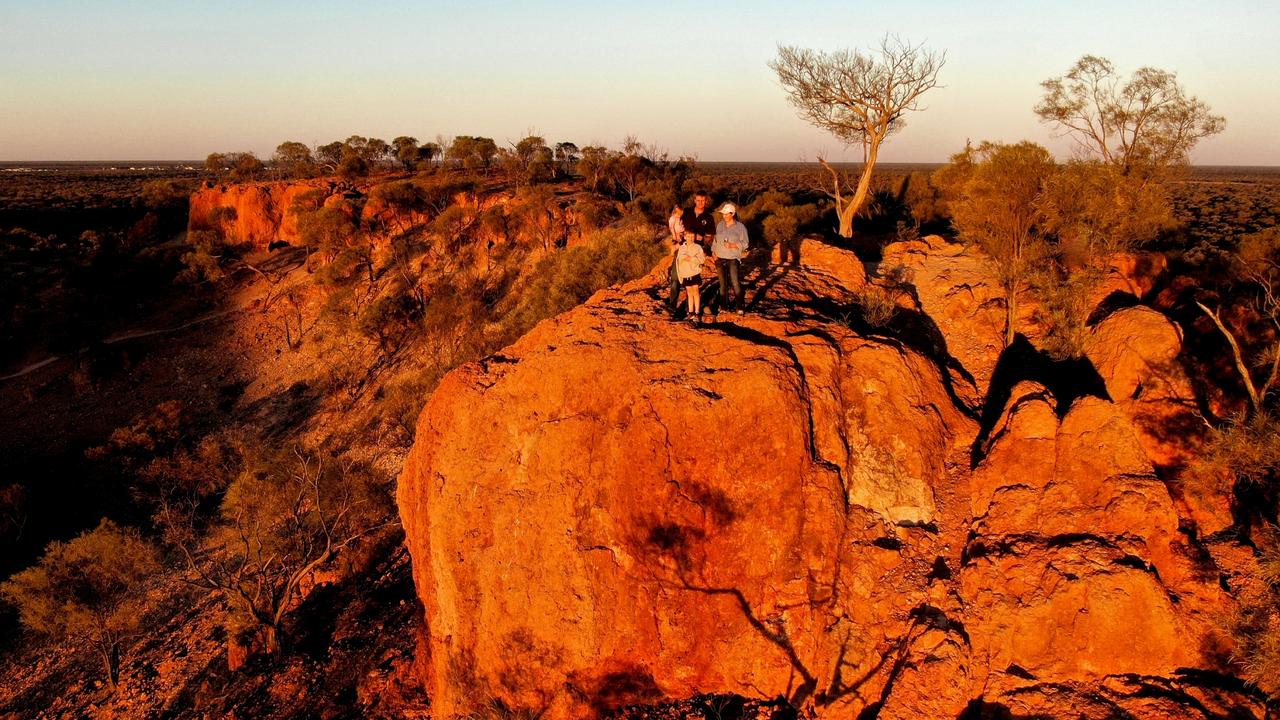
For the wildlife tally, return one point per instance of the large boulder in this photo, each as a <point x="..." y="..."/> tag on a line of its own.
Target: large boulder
<point x="1075" y="569"/>
<point x="621" y="508"/>
<point x="1133" y="274"/>
<point x="1135" y="351"/>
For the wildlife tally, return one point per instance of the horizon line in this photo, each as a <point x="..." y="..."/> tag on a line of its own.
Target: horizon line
<point x="200" y="162"/>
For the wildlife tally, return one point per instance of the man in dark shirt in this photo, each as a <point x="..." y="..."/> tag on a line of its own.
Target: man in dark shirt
<point x="700" y="225"/>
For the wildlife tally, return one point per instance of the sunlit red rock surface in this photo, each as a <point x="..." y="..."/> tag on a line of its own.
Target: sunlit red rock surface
<point x="255" y="213"/>
<point x="623" y="509"/>
<point x="262" y="213"/>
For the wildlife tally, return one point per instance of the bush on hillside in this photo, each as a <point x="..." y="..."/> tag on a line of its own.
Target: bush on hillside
<point x="283" y="519"/>
<point x="565" y="279"/>
<point x="85" y="590"/>
<point x="1255" y="624"/>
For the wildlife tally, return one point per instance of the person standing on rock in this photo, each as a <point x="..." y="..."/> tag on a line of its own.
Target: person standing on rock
<point x="699" y="220"/>
<point x="729" y="248"/>
<point x="676" y="225"/>
<point x="689" y="259"/>
<point x="700" y="224"/>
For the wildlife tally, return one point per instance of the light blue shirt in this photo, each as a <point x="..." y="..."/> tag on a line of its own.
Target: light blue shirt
<point x="731" y="241"/>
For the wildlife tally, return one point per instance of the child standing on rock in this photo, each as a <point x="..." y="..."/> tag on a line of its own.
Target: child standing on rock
<point x="676" y="226"/>
<point x="689" y="259"/>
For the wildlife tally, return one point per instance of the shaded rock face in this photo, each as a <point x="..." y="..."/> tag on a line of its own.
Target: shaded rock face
<point x="623" y="509"/>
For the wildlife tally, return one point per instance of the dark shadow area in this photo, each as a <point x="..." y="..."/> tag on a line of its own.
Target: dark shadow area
<point x="1117" y="300"/>
<point x="624" y="688"/>
<point x="982" y="710"/>
<point x="769" y="277"/>
<point x="285" y="411"/>
<point x="709" y="707"/>
<point x="1066" y="380"/>
<point x="939" y="571"/>
<point x="339" y="635"/>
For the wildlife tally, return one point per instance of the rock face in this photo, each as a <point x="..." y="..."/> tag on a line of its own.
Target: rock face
<point x="621" y="509"/>
<point x="256" y="213"/>
<point x="262" y="213"/>
<point x="957" y="290"/>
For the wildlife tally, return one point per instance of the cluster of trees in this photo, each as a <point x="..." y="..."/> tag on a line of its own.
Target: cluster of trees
<point x="354" y="157"/>
<point x="1053" y="227"/>
<point x="633" y="170"/>
<point x="1056" y="225"/>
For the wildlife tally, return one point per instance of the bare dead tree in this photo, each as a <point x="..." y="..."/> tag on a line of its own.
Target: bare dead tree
<point x="860" y="97"/>
<point x="1259" y="269"/>
<point x="283" y="521"/>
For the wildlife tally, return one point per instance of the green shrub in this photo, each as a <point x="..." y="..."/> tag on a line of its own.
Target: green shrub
<point x="84" y="590"/>
<point x="203" y="263"/>
<point x="565" y="279"/>
<point x="1255" y="625"/>
<point x="288" y="515"/>
<point x="389" y="319"/>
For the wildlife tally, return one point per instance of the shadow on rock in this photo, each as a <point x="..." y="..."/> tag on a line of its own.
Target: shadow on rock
<point x="1067" y="381"/>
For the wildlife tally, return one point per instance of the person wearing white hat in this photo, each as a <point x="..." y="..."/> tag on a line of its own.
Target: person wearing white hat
<point x="729" y="247"/>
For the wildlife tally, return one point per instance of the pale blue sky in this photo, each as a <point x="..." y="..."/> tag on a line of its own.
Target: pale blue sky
<point x="170" y="79"/>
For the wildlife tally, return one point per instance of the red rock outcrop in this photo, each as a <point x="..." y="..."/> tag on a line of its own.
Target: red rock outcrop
<point x="262" y="213"/>
<point x="1132" y="273"/>
<point x="256" y="213"/>
<point x="620" y="508"/>
<point x="1135" y="351"/>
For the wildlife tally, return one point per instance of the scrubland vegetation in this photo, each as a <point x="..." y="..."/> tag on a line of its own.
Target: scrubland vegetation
<point x="481" y="242"/>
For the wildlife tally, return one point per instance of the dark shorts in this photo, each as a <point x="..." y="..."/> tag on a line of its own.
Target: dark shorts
<point x="694" y="281"/>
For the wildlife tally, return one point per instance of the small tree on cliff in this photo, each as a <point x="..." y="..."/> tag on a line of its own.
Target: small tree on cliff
<point x="472" y="153"/>
<point x="293" y="159"/>
<point x="566" y="157"/>
<point x="84" y="590"/>
<point x="860" y="98"/>
<point x="995" y="191"/>
<point x="284" y="518"/>
<point x="1094" y="212"/>
<point x="216" y="163"/>
<point x="245" y="166"/>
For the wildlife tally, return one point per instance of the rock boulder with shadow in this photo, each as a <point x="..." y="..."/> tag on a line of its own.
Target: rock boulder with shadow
<point x="623" y="509"/>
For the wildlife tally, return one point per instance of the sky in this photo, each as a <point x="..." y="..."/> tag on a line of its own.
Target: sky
<point x="169" y="80"/>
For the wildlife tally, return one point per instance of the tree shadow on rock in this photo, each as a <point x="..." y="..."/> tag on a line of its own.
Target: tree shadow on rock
<point x="675" y="558"/>
<point x="1066" y="380"/>
<point x="980" y="709"/>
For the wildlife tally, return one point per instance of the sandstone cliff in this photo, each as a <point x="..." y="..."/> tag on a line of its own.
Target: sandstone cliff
<point x="623" y="509"/>
<point x="262" y="213"/>
<point x="256" y="213"/>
